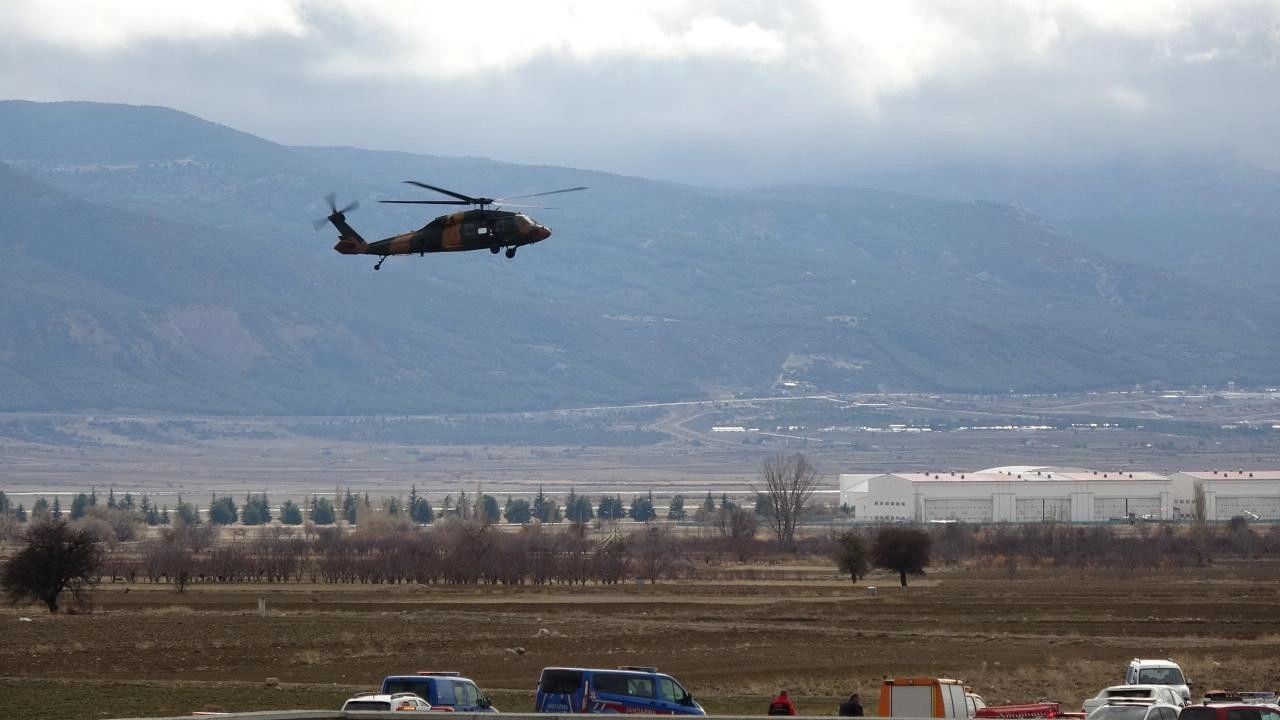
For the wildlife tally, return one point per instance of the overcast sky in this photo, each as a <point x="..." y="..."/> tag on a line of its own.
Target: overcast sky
<point x="721" y="93"/>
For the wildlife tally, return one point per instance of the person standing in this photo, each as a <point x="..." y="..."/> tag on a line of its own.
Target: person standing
<point x="782" y="705"/>
<point x="851" y="707"/>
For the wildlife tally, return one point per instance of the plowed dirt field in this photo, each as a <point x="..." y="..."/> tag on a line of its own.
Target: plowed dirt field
<point x="149" y="651"/>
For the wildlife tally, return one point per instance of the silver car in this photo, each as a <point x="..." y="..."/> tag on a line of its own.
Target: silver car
<point x="1143" y="693"/>
<point x="1158" y="710"/>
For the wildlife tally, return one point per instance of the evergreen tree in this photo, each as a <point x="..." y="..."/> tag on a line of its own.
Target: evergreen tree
<point x="349" y="505"/>
<point x="489" y="510"/>
<point x="726" y="503"/>
<point x="394" y="507"/>
<point x="222" y="511"/>
<point x="464" y="505"/>
<point x="518" y="511"/>
<point x="56" y="511"/>
<point x="322" y="512"/>
<point x="250" y="513"/>
<point x="93" y="497"/>
<point x="164" y="515"/>
<point x="641" y="509"/>
<point x="578" y="508"/>
<point x="150" y="513"/>
<point x="421" y="511"/>
<point x="4" y="503"/>
<point x="611" y="508"/>
<point x="111" y="498"/>
<point x="187" y="513"/>
<point x="40" y="508"/>
<point x="290" y="513"/>
<point x="21" y="513"/>
<point x="545" y="509"/>
<point x="126" y="502"/>
<point x="709" y="505"/>
<point x="79" y="505"/>
<point x="675" y="509"/>
<point x="764" y="504"/>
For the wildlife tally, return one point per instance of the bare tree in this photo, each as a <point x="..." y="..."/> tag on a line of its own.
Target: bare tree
<point x="57" y="558"/>
<point x="789" y="481"/>
<point x="737" y="528"/>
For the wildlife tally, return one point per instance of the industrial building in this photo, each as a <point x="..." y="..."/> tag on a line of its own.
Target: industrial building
<point x="1032" y="494"/>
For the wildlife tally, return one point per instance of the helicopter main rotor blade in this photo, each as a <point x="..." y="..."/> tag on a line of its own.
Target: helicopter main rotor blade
<point x="450" y="193"/>
<point x="425" y="202"/>
<point x="549" y="192"/>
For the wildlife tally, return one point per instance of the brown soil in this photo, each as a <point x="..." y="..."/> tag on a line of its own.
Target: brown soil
<point x="147" y="650"/>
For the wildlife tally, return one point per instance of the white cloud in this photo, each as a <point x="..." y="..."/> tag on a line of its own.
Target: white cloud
<point x="106" y="25"/>
<point x="689" y="89"/>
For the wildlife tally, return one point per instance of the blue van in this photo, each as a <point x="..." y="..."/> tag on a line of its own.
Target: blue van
<point x="628" y="690"/>
<point x="444" y="690"/>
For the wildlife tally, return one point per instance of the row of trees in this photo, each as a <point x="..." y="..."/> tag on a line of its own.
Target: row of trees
<point x="59" y="556"/>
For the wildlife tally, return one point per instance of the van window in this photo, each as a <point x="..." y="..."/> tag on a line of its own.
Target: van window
<point x="392" y="687"/>
<point x="465" y="694"/>
<point x="444" y="693"/>
<point x="619" y="684"/>
<point x="669" y="690"/>
<point x="560" y="682"/>
<point x="1243" y="714"/>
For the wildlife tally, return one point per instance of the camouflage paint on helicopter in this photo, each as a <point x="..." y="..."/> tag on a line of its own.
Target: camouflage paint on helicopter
<point x="466" y="230"/>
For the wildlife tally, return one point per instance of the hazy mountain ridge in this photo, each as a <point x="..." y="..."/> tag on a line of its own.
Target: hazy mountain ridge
<point x="1213" y="220"/>
<point x="180" y="273"/>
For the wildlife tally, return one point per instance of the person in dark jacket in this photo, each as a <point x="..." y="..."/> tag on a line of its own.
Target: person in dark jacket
<point x="851" y="707"/>
<point x="782" y="705"/>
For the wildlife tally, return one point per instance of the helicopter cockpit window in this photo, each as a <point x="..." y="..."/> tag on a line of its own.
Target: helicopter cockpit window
<point x="523" y="223"/>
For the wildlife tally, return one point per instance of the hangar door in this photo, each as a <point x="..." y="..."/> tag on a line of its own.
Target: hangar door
<point x="1108" y="508"/>
<point x="970" y="510"/>
<point x="1044" y="509"/>
<point x="1264" y="508"/>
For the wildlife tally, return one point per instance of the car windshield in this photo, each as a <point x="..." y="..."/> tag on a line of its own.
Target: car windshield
<point x="366" y="705"/>
<point x="1160" y="676"/>
<point x="1119" y="712"/>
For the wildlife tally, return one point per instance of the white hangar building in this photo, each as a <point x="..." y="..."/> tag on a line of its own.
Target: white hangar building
<point x="1031" y="494"/>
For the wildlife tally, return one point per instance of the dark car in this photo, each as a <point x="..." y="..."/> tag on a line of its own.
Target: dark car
<point x="1229" y="711"/>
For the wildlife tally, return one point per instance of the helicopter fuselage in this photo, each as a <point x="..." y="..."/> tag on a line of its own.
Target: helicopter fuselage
<point x="466" y="230"/>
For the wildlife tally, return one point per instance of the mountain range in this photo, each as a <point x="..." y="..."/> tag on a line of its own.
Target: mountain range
<point x="153" y="261"/>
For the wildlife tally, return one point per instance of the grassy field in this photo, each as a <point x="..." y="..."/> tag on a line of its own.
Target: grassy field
<point x="147" y="650"/>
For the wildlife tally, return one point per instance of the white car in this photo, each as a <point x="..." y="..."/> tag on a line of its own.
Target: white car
<point x="1140" y="693"/>
<point x="1158" y="672"/>
<point x="396" y="702"/>
<point x="1158" y="710"/>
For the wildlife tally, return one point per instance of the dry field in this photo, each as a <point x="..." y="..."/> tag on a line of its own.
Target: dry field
<point x="1035" y="634"/>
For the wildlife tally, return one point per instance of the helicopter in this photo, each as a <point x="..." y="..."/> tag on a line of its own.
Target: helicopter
<point x="480" y="228"/>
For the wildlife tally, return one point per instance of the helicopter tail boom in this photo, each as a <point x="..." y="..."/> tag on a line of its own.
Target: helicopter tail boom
<point x="349" y="241"/>
<point x="351" y="245"/>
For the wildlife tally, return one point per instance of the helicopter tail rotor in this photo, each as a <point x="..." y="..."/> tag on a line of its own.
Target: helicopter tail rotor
<point x="349" y="241"/>
<point x="335" y="215"/>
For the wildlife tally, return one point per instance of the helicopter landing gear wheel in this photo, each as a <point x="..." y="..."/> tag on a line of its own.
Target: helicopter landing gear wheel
<point x="511" y="252"/>
<point x="380" y="261"/>
<point x="494" y="249"/>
